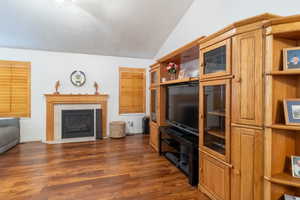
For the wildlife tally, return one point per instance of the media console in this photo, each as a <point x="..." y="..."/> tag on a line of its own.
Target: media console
<point x="181" y="149"/>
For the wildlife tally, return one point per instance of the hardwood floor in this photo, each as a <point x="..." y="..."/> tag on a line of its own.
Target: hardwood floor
<point x="122" y="169"/>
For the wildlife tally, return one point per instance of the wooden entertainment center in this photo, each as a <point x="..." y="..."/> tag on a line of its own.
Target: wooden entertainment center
<point x="244" y="142"/>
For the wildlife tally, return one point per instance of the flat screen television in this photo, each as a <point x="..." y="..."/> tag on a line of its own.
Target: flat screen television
<point x="183" y="106"/>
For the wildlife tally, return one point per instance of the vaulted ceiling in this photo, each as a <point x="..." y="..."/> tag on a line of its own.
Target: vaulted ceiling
<point x="129" y="28"/>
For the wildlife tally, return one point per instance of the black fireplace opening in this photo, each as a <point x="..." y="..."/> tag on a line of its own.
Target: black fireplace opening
<point x="78" y="123"/>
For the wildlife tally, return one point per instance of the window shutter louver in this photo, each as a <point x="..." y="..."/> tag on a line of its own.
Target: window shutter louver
<point x="132" y="90"/>
<point x="15" y="89"/>
<point x="20" y="90"/>
<point x="5" y="89"/>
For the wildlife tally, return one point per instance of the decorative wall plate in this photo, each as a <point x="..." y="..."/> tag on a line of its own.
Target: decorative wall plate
<point x="78" y="78"/>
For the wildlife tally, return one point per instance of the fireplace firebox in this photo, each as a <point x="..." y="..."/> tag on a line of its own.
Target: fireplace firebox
<point x="78" y="123"/>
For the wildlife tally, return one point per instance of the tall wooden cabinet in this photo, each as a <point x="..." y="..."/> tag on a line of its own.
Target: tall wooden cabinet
<point x="215" y="138"/>
<point x="154" y="105"/>
<point x="215" y="115"/>
<point x="247" y="111"/>
<point x="235" y="56"/>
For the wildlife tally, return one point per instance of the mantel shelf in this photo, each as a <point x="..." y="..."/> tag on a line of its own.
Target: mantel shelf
<point x="285" y="179"/>
<point x="179" y="81"/>
<point x="64" y="95"/>
<point x="284" y="127"/>
<point x="283" y="73"/>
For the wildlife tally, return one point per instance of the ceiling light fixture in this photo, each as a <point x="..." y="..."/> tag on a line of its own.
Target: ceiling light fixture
<point x="63" y="1"/>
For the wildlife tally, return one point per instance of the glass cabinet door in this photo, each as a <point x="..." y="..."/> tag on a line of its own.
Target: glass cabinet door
<point x="215" y="60"/>
<point x="154" y="77"/>
<point x="154" y="105"/>
<point x="215" y="118"/>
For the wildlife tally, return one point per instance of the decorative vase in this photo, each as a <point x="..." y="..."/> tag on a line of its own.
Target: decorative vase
<point x="172" y="76"/>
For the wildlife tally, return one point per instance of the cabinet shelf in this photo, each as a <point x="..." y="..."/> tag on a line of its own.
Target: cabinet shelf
<point x="283" y="73"/>
<point x="285" y="179"/>
<point x="172" y="143"/>
<point x="284" y="127"/>
<point x="216" y="132"/>
<point x="217" y="113"/>
<point x="179" y="81"/>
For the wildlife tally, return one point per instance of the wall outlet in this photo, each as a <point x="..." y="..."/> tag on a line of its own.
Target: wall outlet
<point x="130" y="123"/>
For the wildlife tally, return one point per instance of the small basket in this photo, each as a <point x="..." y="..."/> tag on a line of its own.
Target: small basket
<point x="117" y="129"/>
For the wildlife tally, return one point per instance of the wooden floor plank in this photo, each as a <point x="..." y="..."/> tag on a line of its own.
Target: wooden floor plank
<point x="121" y="169"/>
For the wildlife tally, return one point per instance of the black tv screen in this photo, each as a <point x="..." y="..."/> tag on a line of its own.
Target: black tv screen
<point x="183" y="105"/>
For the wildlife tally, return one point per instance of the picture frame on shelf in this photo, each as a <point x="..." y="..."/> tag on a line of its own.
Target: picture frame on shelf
<point x="291" y="58"/>
<point x="182" y="74"/>
<point x="194" y="73"/>
<point x="289" y="197"/>
<point x="295" y="166"/>
<point x="292" y="111"/>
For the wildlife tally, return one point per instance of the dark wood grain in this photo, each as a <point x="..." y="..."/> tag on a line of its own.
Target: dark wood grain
<point x="123" y="169"/>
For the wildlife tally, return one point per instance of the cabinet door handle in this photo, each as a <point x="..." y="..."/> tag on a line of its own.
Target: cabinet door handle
<point x="237" y="79"/>
<point x="236" y="172"/>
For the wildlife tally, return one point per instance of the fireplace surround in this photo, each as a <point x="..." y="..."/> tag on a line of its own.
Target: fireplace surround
<point x="54" y="101"/>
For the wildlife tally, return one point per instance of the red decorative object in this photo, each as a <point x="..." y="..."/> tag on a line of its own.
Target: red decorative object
<point x="172" y="68"/>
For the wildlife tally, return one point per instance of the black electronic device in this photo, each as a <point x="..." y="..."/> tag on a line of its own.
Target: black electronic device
<point x="181" y="149"/>
<point x="182" y="110"/>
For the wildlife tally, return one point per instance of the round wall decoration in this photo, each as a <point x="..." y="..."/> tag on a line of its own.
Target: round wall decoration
<point x="78" y="78"/>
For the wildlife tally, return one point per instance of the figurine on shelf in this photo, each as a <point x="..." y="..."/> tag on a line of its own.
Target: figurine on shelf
<point x="57" y="85"/>
<point x="96" y="85"/>
<point x="172" y="69"/>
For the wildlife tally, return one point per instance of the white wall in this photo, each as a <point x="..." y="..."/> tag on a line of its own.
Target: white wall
<point x="48" y="67"/>
<point x="206" y="17"/>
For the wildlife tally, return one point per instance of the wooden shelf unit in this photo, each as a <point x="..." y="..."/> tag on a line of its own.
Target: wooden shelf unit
<point x="187" y="53"/>
<point x="284" y="73"/>
<point x="255" y="161"/>
<point x="281" y="140"/>
<point x="284" y="127"/>
<point x="285" y="179"/>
